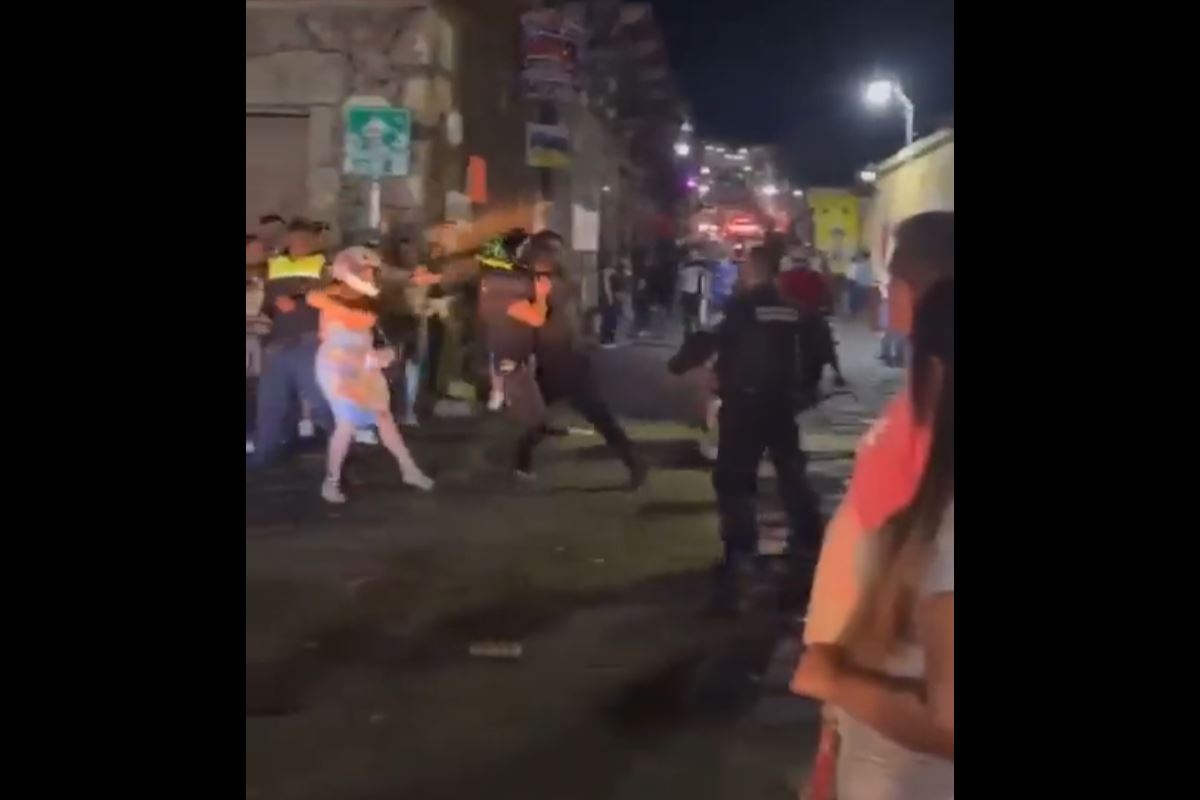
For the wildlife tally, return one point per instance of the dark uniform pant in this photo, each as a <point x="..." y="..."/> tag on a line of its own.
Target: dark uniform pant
<point x="750" y="426"/>
<point x="690" y="302"/>
<point x="581" y="392"/>
<point x="289" y="371"/>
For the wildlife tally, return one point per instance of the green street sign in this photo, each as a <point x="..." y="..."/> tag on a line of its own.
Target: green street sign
<point x="377" y="141"/>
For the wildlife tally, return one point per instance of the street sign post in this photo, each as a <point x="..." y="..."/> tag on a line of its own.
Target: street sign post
<point x="377" y="145"/>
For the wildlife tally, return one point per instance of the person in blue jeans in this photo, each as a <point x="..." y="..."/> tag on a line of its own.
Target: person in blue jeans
<point x="290" y="353"/>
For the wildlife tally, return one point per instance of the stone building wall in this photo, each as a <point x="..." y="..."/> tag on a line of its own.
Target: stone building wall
<point x="309" y="58"/>
<point x="490" y="102"/>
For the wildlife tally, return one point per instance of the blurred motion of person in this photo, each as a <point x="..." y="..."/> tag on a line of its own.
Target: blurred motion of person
<point x="801" y="285"/>
<point x="349" y="368"/>
<point x="762" y="381"/>
<point x="803" y="288"/>
<point x="891" y="457"/>
<point x="722" y="285"/>
<point x="612" y="292"/>
<point x="890" y="674"/>
<point x="272" y="232"/>
<point x="693" y="288"/>
<point x="642" y="290"/>
<point x="257" y="326"/>
<point x="563" y="369"/>
<point x="289" y="363"/>
<point x="892" y="344"/>
<point x="399" y="324"/>
<point x="860" y="282"/>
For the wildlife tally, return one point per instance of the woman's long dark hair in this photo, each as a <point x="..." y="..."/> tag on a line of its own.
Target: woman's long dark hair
<point x="905" y="543"/>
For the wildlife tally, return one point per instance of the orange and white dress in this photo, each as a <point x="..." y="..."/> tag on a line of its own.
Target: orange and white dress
<point x="348" y="371"/>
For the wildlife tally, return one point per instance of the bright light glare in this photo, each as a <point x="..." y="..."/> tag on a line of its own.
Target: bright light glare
<point x="606" y="188"/>
<point x="770" y="190"/>
<point x="682" y="149"/>
<point x="867" y="176"/>
<point x="746" y="168"/>
<point x="704" y="189"/>
<point x="878" y="93"/>
<point x="687" y="127"/>
<point x="797" y="193"/>
<point x="705" y="170"/>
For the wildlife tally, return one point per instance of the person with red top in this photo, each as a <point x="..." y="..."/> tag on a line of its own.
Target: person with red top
<point x="803" y="286"/>
<point x="806" y="289"/>
<point x="892" y="455"/>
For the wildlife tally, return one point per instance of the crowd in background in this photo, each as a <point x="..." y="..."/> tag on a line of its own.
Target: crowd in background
<point x="430" y="326"/>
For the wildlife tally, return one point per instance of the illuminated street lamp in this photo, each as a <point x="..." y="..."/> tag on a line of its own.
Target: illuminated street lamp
<point x="682" y="149"/>
<point x="880" y="93"/>
<point x="705" y="170"/>
<point x="770" y="190"/>
<point x="867" y="175"/>
<point x="797" y="193"/>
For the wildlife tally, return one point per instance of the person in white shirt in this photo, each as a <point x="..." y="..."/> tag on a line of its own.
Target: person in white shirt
<point x="693" y="288"/>
<point x="861" y="283"/>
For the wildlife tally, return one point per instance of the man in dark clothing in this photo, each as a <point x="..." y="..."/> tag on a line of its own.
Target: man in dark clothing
<point x="693" y="288"/>
<point x="764" y="378"/>
<point x="563" y="369"/>
<point x="289" y="359"/>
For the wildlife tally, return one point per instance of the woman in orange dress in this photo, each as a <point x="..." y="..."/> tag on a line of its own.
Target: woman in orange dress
<point x="350" y="368"/>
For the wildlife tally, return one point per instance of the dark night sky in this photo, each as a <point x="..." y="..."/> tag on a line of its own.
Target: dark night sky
<point x="789" y="72"/>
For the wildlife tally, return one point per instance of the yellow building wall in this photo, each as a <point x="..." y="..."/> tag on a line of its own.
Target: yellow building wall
<point x="836" y="225"/>
<point x="924" y="184"/>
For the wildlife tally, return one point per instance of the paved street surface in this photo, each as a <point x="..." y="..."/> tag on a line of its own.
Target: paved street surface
<point x="359" y="684"/>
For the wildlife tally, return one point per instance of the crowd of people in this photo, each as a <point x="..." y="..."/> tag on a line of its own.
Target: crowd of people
<point x="340" y="348"/>
<point x="876" y="580"/>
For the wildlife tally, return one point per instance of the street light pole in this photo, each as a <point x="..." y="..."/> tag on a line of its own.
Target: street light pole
<point x="910" y="111"/>
<point x="881" y="92"/>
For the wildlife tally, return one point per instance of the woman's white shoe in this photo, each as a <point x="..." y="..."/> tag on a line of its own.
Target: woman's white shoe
<point x="331" y="492"/>
<point x="417" y="479"/>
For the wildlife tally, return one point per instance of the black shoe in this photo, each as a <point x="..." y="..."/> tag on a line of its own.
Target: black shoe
<point x="637" y="474"/>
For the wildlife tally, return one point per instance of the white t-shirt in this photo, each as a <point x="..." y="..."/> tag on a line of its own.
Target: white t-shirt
<point x="691" y="278"/>
<point x="873" y="767"/>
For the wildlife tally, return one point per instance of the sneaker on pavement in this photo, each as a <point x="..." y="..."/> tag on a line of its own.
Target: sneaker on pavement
<point x="525" y="476"/>
<point x="417" y="479"/>
<point x="366" y="436"/>
<point x="331" y="492"/>
<point x="708" y="451"/>
<point x="495" y="401"/>
<point x="410" y="421"/>
<point x="307" y="430"/>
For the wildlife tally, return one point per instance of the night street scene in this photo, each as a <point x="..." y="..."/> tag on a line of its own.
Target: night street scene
<point x="599" y="400"/>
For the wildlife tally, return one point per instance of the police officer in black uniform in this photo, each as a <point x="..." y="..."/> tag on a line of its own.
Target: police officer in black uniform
<point x="764" y="378"/>
<point x="564" y="370"/>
